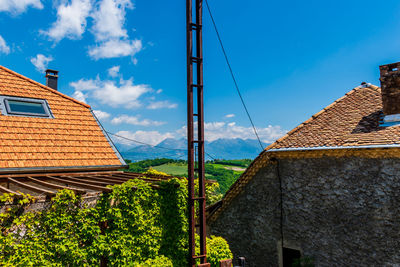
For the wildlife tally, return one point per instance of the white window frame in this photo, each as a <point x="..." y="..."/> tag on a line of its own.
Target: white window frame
<point x="6" y="110"/>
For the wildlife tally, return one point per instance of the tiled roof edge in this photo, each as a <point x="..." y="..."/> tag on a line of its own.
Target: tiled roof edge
<point x="109" y="140"/>
<point x="43" y="86"/>
<point x="313" y="117"/>
<point x="65" y="168"/>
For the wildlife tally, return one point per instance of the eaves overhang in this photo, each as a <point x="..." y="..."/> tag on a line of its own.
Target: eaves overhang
<point x="62" y="169"/>
<point x="333" y="147"/>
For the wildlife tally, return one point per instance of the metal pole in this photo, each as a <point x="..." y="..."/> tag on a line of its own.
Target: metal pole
<point x="200" y="132"/>
<point x="194" y="29"/>
<point x="189" y="48"/>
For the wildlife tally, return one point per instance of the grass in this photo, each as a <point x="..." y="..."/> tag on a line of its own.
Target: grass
<point x="236" y="169"/>
<point x="172" y="168"/>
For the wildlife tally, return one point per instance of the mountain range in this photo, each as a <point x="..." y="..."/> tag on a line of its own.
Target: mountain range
<point x="176" y="149"/>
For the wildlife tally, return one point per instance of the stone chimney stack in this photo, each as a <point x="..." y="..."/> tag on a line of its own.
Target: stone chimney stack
<point x="51" y="78"/>
<point x="390" y="87"/>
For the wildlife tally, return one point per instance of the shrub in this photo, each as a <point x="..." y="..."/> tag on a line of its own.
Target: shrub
<point x="134" y="225"/>
<point x="217" y="250"/>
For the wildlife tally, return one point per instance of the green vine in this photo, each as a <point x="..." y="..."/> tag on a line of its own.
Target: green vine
<point x="134" y="225"/>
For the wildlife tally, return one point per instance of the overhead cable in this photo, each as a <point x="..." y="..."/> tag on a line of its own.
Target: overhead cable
<point x="232" y="74"/>
<point x="155" y="146"/>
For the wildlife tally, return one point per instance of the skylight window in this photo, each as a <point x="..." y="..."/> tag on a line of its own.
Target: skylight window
<point x="22" y="106"/>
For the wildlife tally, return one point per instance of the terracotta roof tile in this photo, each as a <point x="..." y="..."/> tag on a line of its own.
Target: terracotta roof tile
<point x="352" y="120"/>
<point x="72" y="139"/>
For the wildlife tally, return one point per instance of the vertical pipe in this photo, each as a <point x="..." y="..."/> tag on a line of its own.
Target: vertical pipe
<point x="189" y="48"/>
<point x="200" y="133"/>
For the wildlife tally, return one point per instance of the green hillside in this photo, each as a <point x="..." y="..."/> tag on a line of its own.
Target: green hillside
<point x="225" y="172"/>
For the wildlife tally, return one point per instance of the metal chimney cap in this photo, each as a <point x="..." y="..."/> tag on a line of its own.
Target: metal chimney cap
<point x="51" y="72"/>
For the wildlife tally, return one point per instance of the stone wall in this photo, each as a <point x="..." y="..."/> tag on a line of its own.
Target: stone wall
<point x="341" y="212"/>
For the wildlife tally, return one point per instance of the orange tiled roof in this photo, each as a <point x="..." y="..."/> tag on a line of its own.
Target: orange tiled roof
<point x="352" y="120"/>
<point x="72" y="139"/>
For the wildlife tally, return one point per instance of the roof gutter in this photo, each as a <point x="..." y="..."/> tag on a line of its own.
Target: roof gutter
<point x="63" y="169"/>
<point x="332" y="147"/>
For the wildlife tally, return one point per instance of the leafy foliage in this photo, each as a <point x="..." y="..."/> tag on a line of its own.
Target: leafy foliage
<point x="155" y="172"/>
<point x="217" y="250"/>
<point x="134" y="225"/>
<point x="224" y="177"/>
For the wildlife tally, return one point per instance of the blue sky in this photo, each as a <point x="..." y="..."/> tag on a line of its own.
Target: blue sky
<point x="127" y="58"/>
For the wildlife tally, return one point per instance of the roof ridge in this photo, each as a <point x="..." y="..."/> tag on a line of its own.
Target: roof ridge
<point x="313" y="117"/>
<point x="44" y="86"/>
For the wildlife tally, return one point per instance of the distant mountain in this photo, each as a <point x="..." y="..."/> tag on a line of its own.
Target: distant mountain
<point x="176" y="149"/>
<point x="234" y="148"/>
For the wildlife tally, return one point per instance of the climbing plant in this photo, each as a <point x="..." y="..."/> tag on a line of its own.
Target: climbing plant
<point x="136" y="224"/>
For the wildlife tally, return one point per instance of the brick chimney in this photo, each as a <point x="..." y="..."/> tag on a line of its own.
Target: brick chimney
<point x="390" y="86"/>
<point x="51" y="78"/>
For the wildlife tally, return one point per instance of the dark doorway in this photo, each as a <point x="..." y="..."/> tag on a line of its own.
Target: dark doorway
<point x="289" y="256"/>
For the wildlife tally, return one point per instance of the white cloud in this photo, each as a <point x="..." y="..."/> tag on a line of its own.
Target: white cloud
<point x="113" y="71"/>
<point x="135" y="120"/>
<point x="4" y="48"/>
<point x="101" y="115"/>
<point x="229" y="115"/>
<point x="86" y="85"/>
<point x="78" y="95"/>
<point x="41" y="62"/>
<point x="112" y="39"/>
<point x="218" y="130"/>
<point x="19" y="6"/>
<point x="148" y="137"/>
<point x="71" y="20"/>
<point x="108" y="92"/>
<point x="161" y="104"/>
<point x="159" y="91"/>
<point x="115" y="48"/>
<point x="127" y="94"/>
<point x="109" y="19"/>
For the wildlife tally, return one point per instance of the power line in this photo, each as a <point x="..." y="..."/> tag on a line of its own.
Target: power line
<point x="155" y="146"/>
<point x="232" y="74"/>
<point x="139" y="142"/>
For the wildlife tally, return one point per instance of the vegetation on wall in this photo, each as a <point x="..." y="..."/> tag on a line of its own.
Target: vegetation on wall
<point x="134" y="225"/>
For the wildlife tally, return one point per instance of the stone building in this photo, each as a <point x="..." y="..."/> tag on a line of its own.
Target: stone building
<point x="328" y="191"/>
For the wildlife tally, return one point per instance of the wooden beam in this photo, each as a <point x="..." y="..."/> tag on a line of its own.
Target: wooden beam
<point x="67" y="181"/>
<point x="145" y="178"/>
<point x="129" y="174"/>
<point x="33" y="188"/>
<point x="106" y="179"/>
<point x="149" y="175"/>
<point x="130" y="177"/>
<point x="124" y="177"/>
<point x="82" y="179"/>
<point x="55" y="186"/>
<point x="6" y="190"/>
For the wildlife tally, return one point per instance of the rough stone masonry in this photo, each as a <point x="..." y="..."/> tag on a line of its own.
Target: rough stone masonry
<point x="337" y="211"/>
